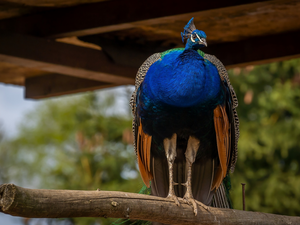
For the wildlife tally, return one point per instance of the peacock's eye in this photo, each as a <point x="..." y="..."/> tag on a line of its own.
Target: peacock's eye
<point x="194" y="37"/>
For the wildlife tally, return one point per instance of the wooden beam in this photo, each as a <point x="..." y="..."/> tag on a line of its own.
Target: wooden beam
<point x="61" y="58"/>
<point x="108" y="16"/>
<point x="51" y="85"/>
<point x="49" y="3"/>
<point x="126" y="52"/>
<point x="252" y="51"/>
<point x="258" y="50"/>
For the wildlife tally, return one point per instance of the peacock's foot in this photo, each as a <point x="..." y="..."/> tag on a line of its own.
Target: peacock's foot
<point x="174" y="198"/>
<point x="202" y="205"/>
<point x="189" y="199"/>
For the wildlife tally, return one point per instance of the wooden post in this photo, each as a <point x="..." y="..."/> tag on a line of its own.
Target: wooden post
<point x="243" y="195"/>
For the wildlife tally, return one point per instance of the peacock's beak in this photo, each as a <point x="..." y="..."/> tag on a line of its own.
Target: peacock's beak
<point x="203" y="42"/>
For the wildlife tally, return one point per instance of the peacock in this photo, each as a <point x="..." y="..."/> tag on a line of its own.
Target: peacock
<point x="185" y="124"/>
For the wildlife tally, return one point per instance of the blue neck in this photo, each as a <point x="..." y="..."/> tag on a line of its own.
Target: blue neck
<point x="182" y="79"/>
<point x="192" y="46"/>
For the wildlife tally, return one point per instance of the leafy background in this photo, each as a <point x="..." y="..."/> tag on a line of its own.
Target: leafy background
<point x="83" y="142"/>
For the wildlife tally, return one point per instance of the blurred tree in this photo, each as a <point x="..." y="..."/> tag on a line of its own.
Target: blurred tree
<point x="269" y="147"/>
<point x="74" y="143"/>
<point x="3" y="157"/>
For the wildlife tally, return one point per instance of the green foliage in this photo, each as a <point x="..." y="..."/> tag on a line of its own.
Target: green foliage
<point x="74" y="143"/>
<point x="269" y="156"/>
<point x="3" y="158"/>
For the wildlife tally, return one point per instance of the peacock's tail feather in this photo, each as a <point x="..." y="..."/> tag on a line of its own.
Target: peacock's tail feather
<point x="221" y="198"/>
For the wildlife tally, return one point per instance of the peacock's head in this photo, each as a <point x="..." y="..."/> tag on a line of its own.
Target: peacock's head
<point x="195" y="39"/>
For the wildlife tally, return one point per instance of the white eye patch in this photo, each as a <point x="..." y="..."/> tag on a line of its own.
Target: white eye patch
<point x="193" y="40"/>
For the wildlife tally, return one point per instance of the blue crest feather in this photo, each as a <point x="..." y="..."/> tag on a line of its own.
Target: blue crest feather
<point x="188" y="29"/>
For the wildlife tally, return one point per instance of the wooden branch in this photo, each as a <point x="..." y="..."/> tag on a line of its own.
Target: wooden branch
<point x="38" y="203"/>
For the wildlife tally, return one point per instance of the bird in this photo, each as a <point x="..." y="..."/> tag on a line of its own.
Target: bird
<point x="185" y="123"/>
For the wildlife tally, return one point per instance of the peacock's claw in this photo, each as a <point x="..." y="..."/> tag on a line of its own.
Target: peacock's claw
<point x="202" y="205"/>
<point x="174" y="198"/>
<point x="189" y="199"/>
<point x="192" y="202"/>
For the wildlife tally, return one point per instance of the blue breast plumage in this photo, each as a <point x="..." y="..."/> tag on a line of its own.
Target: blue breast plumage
<point x="183" y="78"/>
<point x="179" y="94"/>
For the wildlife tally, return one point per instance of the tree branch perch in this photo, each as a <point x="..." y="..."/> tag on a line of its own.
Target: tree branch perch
<point x="41" y="203"/>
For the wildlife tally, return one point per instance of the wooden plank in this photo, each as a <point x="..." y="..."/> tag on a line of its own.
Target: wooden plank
<point x="14" y="74"/>
<point x="221" y="25"/>
<point x="252" y="51"/>
<point x="108" y="16"/>
<point x="126" y="52"/>
<point x="61" y="58"/>
<point x="50" y="3"/>
<point x="258" y="50"/>
<point x="12" y="9"/>
<point x="51" y="85"/>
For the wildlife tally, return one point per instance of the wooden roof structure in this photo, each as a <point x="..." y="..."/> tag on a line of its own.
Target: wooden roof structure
<point x="57" y="47"/>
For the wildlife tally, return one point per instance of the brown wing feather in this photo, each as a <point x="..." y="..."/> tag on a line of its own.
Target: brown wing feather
<point x="218" y="178"/>
<point x="143" y="154"/>
<point x="222" y="136"/>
